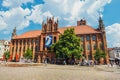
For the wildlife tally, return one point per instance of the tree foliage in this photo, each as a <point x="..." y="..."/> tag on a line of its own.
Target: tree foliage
<point x="7" y="55"/>
<point x="68" y="45"/>
<point x="28" y="54"/>
<point x="99" y="54"/>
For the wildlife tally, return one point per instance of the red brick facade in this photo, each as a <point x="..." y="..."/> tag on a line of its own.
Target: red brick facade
<point x="91" y="39"/>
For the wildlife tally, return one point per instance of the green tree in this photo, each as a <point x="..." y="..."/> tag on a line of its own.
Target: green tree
<point x="7" y="55"/>
<point x="28" y="54"/>
<point x="99" y="54"/>
<point x="68" y="45"/>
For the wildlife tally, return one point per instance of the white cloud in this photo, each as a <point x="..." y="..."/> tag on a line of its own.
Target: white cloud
<point x="3" y="25"/>
<point x="73" y="10"/>
<point x="113" y="35"/>
<point x="15" y="3"/>
<point x="14" y="17"/>
<point x="6" y="32"/>
<point x="37" y="15"/>
<point x="68" y="12"/>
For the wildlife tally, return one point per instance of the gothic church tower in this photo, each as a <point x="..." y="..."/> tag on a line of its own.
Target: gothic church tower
<point x="14" y="33"/>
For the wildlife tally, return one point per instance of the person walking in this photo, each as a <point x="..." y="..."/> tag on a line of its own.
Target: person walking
<point x="95" y="63"/>
<point x="64" y="62"/>
<point x="45" y="61"/>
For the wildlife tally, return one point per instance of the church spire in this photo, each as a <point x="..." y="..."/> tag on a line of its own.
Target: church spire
<point x="101" y="24"/>
<point x="14" y="33"/>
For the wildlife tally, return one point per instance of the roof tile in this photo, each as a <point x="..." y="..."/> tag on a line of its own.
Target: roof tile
<point x="29" y="34"/>
<point x="83" y="29"/>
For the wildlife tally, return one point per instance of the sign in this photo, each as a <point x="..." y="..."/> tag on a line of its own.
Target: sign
<point x="48" y="41"/>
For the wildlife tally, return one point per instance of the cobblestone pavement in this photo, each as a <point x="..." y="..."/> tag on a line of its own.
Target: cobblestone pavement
<point x="58" y="72"/>
<point x="115" y="69"/>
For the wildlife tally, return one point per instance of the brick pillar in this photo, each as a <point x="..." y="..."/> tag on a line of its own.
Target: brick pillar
<point x="86" y="55"/>
<point x="33" y="49"/>
<point x="91" y="48"/>
<point x="41" y="44"/>
<point x="26" y="44"/>
<point x="30" y="44"/>
<point x="41" y="47"/>
<point x="11" y="47"/>
<point x="21" y="56"/>
<point x="18" y="47"/>
<point x="14" y="52"/>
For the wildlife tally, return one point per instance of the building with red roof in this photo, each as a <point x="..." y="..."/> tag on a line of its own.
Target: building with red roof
<point x="91" y="39"/>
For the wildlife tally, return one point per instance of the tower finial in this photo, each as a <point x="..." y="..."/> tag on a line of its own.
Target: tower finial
<point x="100" y="14"/>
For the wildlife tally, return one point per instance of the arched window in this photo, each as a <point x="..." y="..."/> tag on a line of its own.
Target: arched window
<point x="36" y="48"/>
<point x="43" y="43"/>
<point x="101" y="46"/>
<point x="16" y="49"/>
<point x="54" y="39"/>
<point x="12" y="49"/>
<point x="50" y="27"/>
<point x="20" y="49"/>
<point x="16" y="42"/>
<point x="24" y="49"/>
<point x="94" y="46"/>
<point x="88" y="46"/>
<point x="82" y="38"/>
<point x="20" y="42"/>
<point x="88" y="37"/>
<point x="55" y="27"/>
<point x="93" y="37"/>
<point x="13" y="42"/>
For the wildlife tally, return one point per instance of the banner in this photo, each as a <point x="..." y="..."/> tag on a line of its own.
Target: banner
<point x="48" y="41"/>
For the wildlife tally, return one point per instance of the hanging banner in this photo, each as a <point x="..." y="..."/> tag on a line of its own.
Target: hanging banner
<point x="48" y="41"/>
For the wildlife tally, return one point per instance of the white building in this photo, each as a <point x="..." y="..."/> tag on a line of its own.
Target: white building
<point x="4" y="46"/>
<point x="114" y="53"/>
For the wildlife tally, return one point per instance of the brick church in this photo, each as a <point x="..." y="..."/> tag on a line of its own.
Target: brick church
<point x="91" y="39"/>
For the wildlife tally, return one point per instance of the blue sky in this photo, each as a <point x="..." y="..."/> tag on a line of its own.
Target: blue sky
<point x="28" y="15"/>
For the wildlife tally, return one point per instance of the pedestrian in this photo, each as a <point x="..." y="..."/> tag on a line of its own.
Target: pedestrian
<point x="111" y="63"/>
<point x="119" y="63"/>
<point x="45" y="61"/>
<point x="64" y="62"/>
<point x="79" y="63"/>
<point x="95" y="63"/>
<point x="108" y="64"/>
